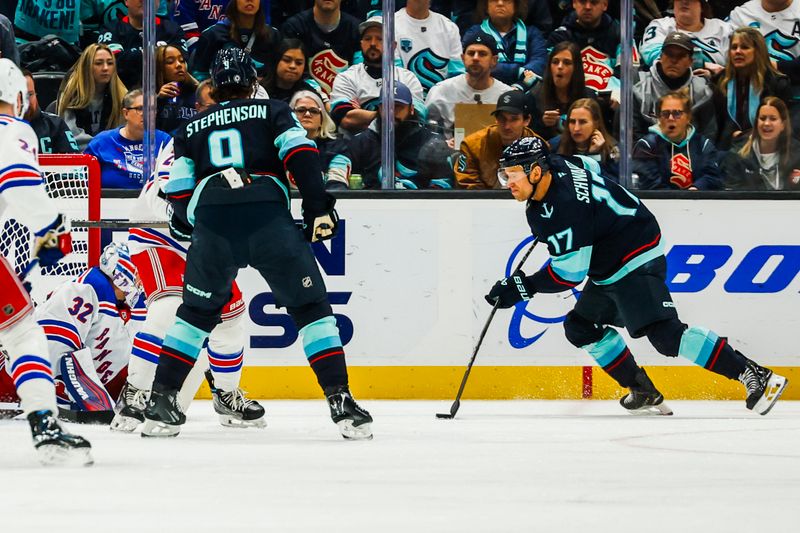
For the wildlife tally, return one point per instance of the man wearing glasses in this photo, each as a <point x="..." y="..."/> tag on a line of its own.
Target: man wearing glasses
<point x="597" y="229"/>
<point x="120" y="150"/>
<point x="673" y="72"/>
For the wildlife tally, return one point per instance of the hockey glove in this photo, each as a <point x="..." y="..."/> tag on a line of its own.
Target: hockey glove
<point x="54" y="244"/>
<point x="508" y="292"/>
<point x="321" y="227"/>
<point x="178" y="226"/>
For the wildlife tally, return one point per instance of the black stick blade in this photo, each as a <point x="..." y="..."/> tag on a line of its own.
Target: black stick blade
<point x="446" y="416"/>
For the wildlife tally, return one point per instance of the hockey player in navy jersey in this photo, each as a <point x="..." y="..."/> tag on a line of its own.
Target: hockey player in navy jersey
<point x="232" y="196"/>
<point x="22" y="192"/>
<point x="596" y="228"/>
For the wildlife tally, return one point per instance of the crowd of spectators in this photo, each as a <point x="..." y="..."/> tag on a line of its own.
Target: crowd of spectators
<point x="715" y="104"/>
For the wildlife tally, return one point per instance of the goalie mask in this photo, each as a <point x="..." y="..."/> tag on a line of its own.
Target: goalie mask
<point x="115" y="262"/>
<point x="13" y="87"/>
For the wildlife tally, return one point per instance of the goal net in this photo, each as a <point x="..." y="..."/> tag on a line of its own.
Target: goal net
<point x="73" y="182"/>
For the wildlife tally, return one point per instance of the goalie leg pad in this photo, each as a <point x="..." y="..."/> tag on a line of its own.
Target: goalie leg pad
<point x="29" y="366"/>
<point x="15" y="302"/>
<point x="86" y="391"/>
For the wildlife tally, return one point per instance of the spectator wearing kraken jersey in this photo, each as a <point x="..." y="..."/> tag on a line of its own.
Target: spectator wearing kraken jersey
<point x="53" y="133"/>
<point x="331" y="39"/>
<point x="521" y="49"/>
<point x="673" y="72"/>
<point x="245" y="27"/>
<point x="476" y="85"/>
<point x="597" y="35"/>
<point x="692" y="17"/>
<point x="428" y="43"/>
<point x="779" y="22"/>
<point x="98" y="14"/>
<point x="36" y="18"/>
<point x="356" y="91"/>
<point x="124" y="38"/>
<point x="673" y="155"/>
<point x="195" y="16"/>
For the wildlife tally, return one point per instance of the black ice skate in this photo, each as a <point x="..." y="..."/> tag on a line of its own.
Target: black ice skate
<point x="54" y="445"/>
<point x="644" y="398"/>
<point x="353" y="421"/>
<point x="764" y="387"/>
<point x="129" y="411"/>
<point x="163" y="415"/>
<point x="234" y="409"/>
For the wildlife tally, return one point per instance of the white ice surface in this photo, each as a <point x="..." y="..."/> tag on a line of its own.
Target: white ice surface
<point x="544" y="466"/>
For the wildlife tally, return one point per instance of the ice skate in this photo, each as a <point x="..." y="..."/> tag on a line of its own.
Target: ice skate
<point x="353" y="421"/>
<point x="129" y="411"/>
<point x="234" y="408"/>
<point x="54" y="445"/>
<point x="644" y="398"/>
<point x="163" y="416"/>
<point x="764" y="387"/>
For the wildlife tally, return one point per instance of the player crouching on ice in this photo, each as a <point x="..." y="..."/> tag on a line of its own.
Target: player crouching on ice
<point x="22" y="192"/>
<point x="596" y="228"/>
<point x="228" y="189"/>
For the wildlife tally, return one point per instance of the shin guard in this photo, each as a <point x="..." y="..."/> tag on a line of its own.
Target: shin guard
<point x="324" y="352"/>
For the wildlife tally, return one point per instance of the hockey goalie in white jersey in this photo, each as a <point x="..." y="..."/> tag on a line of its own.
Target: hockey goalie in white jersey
<point x="22" y="193"/>
<point x="160" y="259"/>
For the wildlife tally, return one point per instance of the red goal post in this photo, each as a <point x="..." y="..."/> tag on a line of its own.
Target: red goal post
<point x="73" y="182"/>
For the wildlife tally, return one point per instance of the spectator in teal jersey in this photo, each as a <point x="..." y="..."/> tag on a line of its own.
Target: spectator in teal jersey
<point x="37" y="18"/>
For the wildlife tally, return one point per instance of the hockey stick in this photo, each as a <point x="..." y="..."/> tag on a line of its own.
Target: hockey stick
<point x="457" y="402"/>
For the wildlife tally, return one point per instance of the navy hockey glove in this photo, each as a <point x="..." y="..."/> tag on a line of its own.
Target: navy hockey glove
<point x="178" y="227"/>
<point x="508" y="292"/>
<point x="54" y="244"/>
<point x="321" y="226"/>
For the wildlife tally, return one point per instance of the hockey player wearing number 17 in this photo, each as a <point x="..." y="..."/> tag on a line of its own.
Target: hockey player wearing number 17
<point x="596" y="228"/>
<point x="229" y="191"/>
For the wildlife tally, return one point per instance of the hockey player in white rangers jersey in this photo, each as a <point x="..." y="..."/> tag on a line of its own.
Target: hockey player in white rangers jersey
<point x="779" y="23"/>
<point x="89" y="323"/>
<point x="22" y="193"/>
<point x="161" y="261"/>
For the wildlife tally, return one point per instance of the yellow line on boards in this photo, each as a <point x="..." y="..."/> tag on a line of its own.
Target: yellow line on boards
<point x="493" y="383"/>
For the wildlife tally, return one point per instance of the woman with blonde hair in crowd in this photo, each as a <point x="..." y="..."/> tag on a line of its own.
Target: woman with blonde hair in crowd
<point x="586" y="135"/>
<point x="319" y="126"/>
<point x="748" y="78"/>
<point x="176" y="89"/>
<point x="769" y="158"/>
<point x="91" y="95"/>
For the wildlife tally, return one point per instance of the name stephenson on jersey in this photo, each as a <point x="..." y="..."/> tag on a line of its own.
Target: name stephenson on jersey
<point x="591" y="226"/>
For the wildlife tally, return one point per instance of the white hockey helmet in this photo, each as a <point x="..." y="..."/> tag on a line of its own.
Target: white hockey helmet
<point x="115" y="262"/>
<point x="13" y="86"/>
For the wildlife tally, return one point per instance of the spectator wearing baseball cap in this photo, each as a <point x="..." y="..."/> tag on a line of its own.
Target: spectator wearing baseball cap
<point x="475" y="86"/>
<point x="356" y="91"/>
<point x="521" y="49"/>
<point x="477" y="161"/>
<point x="422" y="157"/>
<point x="673" y="72"/>
<point x="692" y="18"/>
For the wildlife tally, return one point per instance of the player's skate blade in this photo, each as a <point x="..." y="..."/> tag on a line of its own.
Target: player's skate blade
<point x="56" y="447"/>
<point x="764" y="387"/>
<point x="163" y="416"/>
<point x="353" y="421"/>
<point x="644" y="398"/>
<point x="238" y="411"/>
<point x="129" y="411"/>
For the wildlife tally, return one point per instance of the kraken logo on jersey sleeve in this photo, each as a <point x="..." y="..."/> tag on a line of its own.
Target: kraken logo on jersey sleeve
<point x="324" y="66"/>
<point x="780" y="46"/>
<point x="406" y="45"/>
<point x="426" y="66"/>
<point x="596" y="68"/>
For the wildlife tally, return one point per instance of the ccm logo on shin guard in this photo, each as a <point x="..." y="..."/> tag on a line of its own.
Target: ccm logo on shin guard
<point x="198" y="292"/>
<point x="668" y="304"/>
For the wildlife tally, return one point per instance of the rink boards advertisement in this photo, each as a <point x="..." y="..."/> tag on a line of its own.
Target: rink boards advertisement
<point x="407" y="278"/>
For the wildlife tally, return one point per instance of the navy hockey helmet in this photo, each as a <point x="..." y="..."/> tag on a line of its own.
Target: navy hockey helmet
<point x="233" y="66"/>
<point x="526" y="151"/>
